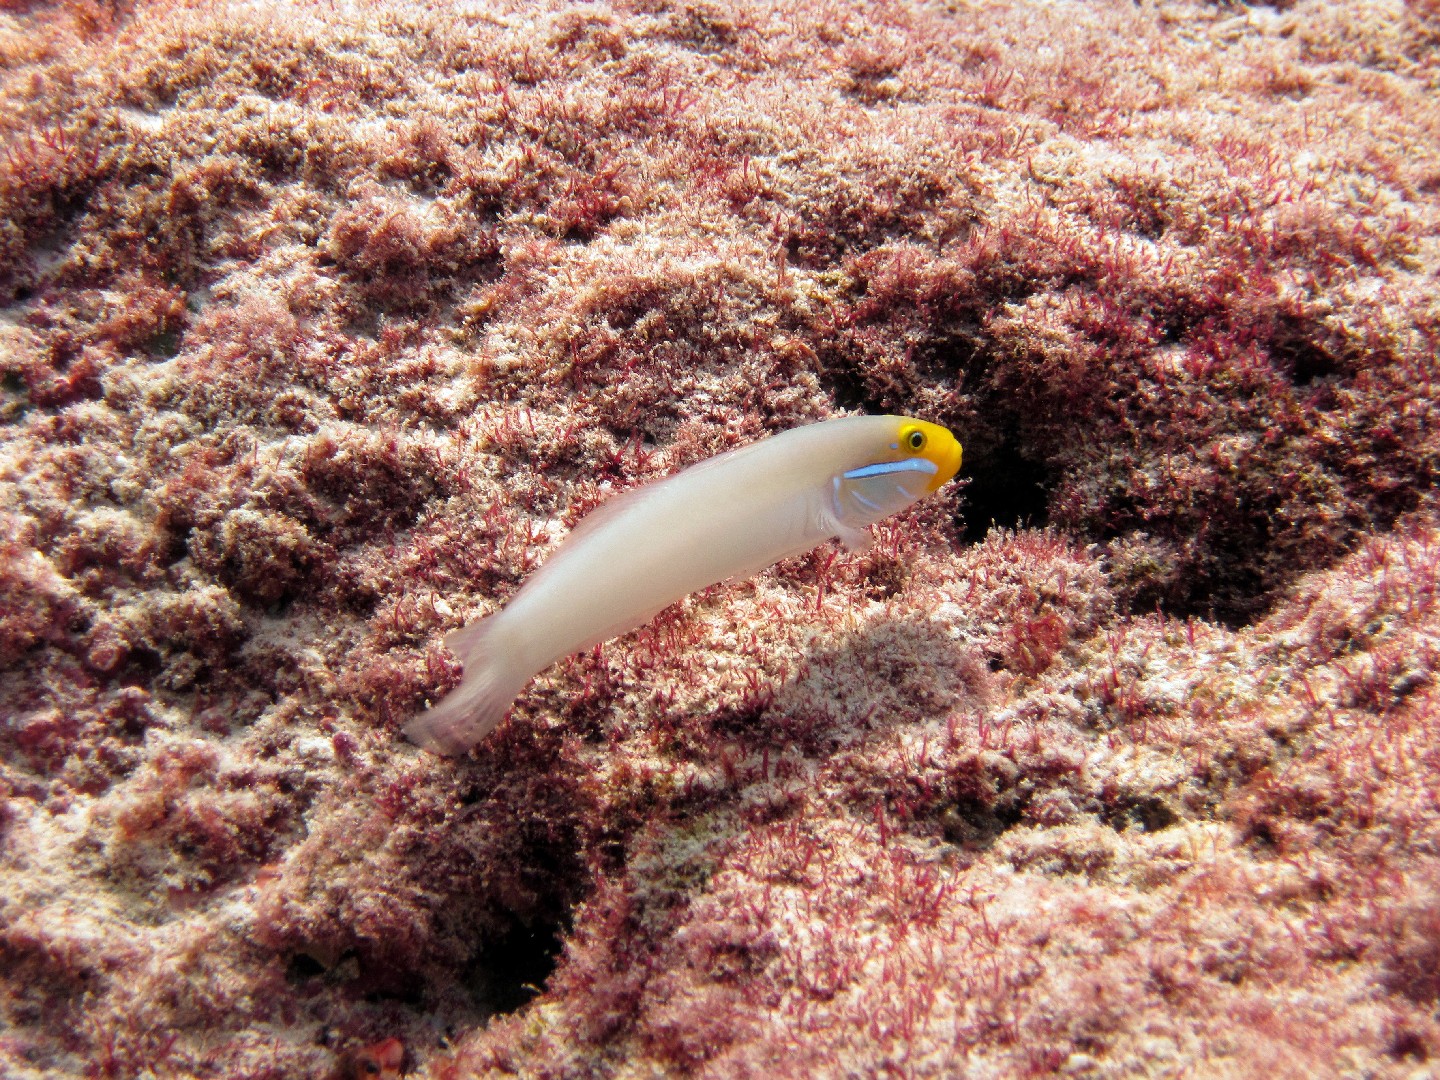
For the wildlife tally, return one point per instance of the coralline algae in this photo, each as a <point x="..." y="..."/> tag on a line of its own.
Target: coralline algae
<point x="321" y="325"/>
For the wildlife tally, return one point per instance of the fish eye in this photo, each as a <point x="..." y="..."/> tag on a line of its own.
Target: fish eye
<point x="915" y="440"/>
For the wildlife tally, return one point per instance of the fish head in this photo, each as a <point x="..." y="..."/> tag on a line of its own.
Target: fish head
<point x="913" y="462"/>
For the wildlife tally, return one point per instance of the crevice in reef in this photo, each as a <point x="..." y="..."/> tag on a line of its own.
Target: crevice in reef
<point x="1005" y="489"/>
<point x="514" y="966"/>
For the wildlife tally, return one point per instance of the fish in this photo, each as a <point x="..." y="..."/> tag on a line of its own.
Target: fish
<point x="723" y="518"/>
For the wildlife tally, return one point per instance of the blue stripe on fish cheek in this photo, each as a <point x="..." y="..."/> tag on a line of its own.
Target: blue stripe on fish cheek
<point x="887" y="468"/>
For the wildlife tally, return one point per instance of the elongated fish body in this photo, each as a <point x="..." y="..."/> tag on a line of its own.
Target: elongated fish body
<point x="727" y="517"/>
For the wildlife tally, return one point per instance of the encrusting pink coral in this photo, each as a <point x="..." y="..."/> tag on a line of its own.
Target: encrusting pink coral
<point x="320" y="329"/>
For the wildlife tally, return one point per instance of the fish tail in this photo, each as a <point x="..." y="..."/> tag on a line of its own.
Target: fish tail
<point x="471" y="711"/>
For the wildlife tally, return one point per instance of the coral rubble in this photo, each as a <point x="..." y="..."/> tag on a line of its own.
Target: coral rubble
<point x="320" y="324"/>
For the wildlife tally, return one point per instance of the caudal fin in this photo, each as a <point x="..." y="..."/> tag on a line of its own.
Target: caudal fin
<point x="468" y="713"/>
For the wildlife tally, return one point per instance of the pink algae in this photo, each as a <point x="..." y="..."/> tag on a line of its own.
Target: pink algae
<point x="320" y="325"/>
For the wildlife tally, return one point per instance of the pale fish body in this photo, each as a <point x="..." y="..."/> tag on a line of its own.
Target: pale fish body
<point x="726" y="517"/>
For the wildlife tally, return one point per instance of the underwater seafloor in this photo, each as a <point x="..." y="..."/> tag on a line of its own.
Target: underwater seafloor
<point x="321" y="323"/>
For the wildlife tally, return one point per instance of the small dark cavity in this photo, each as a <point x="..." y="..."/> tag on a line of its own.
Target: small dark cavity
<point x="141" y="667"/>
<point x="1147" y="813"/>
<point x="13" y="402"/>
<point x="1294" y="350"/>
<point x="177" y="545"/>
<point x="976" y="826"/>
<point x="513" y="967"/>
<point x="165" y="345"/>
<point x="303" y="968"/>
<point x="1409" y="1045"/>
<point x="1006" y="490"/>
<point x="1306" y="363"/>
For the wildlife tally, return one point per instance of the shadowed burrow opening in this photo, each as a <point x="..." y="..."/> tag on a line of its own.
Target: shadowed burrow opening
<point x="514" y="965"/>
<point x="1006" y="489"/>
<point x="1144" y="812"/>
<point x="1297" y="349"/>
<point x="302" y="967"/>
<point x="975" y="824"/>
<point x="847" y="387"/>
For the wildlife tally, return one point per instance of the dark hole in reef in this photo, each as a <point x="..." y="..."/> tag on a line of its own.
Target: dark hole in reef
<point x="1004" y="487"/>
<point x="1148" y="813"/>
<point x="1006" y="490"/>
<point x="849" y="390"/>
<point x="302" y="968"/>
<point x="1262" y="832"/>
<point x="613" y="853"/>
<point x="975" y="826"/>
<point x="1293" y="350"/>
<point x="166" y="344"/>
<point x="514" y="966"/>
<point x="13" y="405"/>
<point x="1409" y="1044"/>
<point x="177" y="545"/>
<point x="63" y="350"/>
<point x="141" y="667"/>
